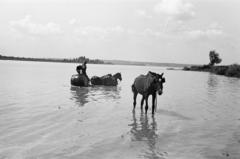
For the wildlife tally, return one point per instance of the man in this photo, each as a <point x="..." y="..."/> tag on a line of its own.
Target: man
<point x="81" y="69"/>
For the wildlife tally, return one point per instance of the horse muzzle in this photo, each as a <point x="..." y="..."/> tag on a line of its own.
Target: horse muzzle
<point x="160" y="92"/>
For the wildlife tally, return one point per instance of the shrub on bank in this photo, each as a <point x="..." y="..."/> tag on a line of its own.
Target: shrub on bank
<point x="233" y="71"/>
<point x="186" y="68"/>
<point x="219" y="70"/>
<point x="230" y="71"/>
<point x="197" y="68"/>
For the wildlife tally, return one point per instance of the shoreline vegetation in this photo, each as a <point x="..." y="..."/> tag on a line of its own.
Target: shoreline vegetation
<point x="228" y="70"/>
<point x="92" y="61"/>
<point x="64" y="60"/>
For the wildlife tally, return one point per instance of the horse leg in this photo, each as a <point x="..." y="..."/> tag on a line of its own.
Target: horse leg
<point x="142" y="101"/>
<point x="153" y="102"/>
<point x="146" y="107"/>
<point x="134" y="100"/>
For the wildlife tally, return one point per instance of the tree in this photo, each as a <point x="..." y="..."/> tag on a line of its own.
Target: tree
<point x="214" y="58"/>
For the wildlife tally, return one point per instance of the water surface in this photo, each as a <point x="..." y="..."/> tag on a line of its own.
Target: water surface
<point x="43" y="116"/>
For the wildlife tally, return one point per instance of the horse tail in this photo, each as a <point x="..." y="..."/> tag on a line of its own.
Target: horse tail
<point x="134" y="88"/>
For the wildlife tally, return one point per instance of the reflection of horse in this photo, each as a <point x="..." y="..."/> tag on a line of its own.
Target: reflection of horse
<point x="80" y="95"/>
<point x="79" y="80"/>
<point x="104" y="93"/>
<point x="147" y="85"/>
<point x="107" y="80"/>
<point x="145" y="131"/>
<point x="84" y="95"/>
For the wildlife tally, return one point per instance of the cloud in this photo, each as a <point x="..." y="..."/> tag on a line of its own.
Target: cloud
<point x="212" y="31"/>
<point x="143" y="13"/>
<point x="26" y="25"/>
<point x="177" y="9"/>
<point x="151" y="33"/>
<point x="73" y="21"/>
<point x="99" y="32"/>
<point x="116" y="31"/>
<point x="182" y="31"/>
<point x="208" y="33"/>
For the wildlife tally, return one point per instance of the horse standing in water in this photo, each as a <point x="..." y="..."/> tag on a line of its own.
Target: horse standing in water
<point x="107" y="80"/>
<point x="147" y="85"/>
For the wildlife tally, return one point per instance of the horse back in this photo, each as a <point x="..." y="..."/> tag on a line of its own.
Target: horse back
<point x="95" y="80"/>
<point x="142" y="83"/>
<point x="79" y="80"/>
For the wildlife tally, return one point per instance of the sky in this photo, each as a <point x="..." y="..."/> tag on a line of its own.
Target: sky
<point x="173" y="31"/>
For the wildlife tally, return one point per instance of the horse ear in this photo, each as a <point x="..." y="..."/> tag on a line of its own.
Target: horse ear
<point x="162" y="74"/>
<point x="163" y="80"/>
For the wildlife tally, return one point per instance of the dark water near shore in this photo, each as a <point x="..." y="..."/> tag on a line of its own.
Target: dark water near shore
<point x="42" y="116"/>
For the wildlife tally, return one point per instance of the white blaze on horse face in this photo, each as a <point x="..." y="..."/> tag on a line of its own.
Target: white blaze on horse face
<point x="159" y="88"/>
<point x="160" y="92"/>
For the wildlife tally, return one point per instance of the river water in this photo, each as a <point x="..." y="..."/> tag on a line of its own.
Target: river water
<point x="43" y="116"/>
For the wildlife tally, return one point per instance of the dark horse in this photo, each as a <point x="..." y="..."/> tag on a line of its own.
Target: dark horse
<point x="79" y="80"/>
<point x="147" y="85"/>
<point x="107" y="80"/>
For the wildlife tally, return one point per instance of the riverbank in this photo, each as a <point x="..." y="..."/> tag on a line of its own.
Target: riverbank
<point x="229" y="71"/>
<point x="81" y="59"/>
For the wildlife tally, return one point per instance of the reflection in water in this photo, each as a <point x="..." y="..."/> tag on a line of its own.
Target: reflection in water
<point x="80" y="95"/>
<point x="212" y="84"/>
<point x="83" y="95"/>
<point x="212" y="81"/>
<point x="146" y="132"/>
<point x="173" y="114"/>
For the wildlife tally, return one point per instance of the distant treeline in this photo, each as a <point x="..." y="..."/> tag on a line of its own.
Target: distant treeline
<point x="93" y="61"/>
<point x="80" y="59"/>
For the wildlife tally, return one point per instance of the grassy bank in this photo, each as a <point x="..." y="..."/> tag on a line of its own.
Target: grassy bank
<point x="230" y="70"/>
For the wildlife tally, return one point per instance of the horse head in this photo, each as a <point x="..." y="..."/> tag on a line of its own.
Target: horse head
<point x="118" y="76"/>
<point x="158" y="82"/>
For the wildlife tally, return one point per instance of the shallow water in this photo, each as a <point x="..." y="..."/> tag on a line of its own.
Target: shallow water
<point x="42" y="116"/>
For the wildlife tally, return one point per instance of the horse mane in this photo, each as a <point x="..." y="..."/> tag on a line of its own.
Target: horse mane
<point x="151" y="77"/>
<point x="156" y="74"/>
<point x="117" y="75"/>
<point x="149" y="80"/>
<point x="152" y="73"/>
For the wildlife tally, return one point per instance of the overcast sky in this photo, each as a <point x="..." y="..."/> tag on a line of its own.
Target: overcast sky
<point x="181" y="31"/>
